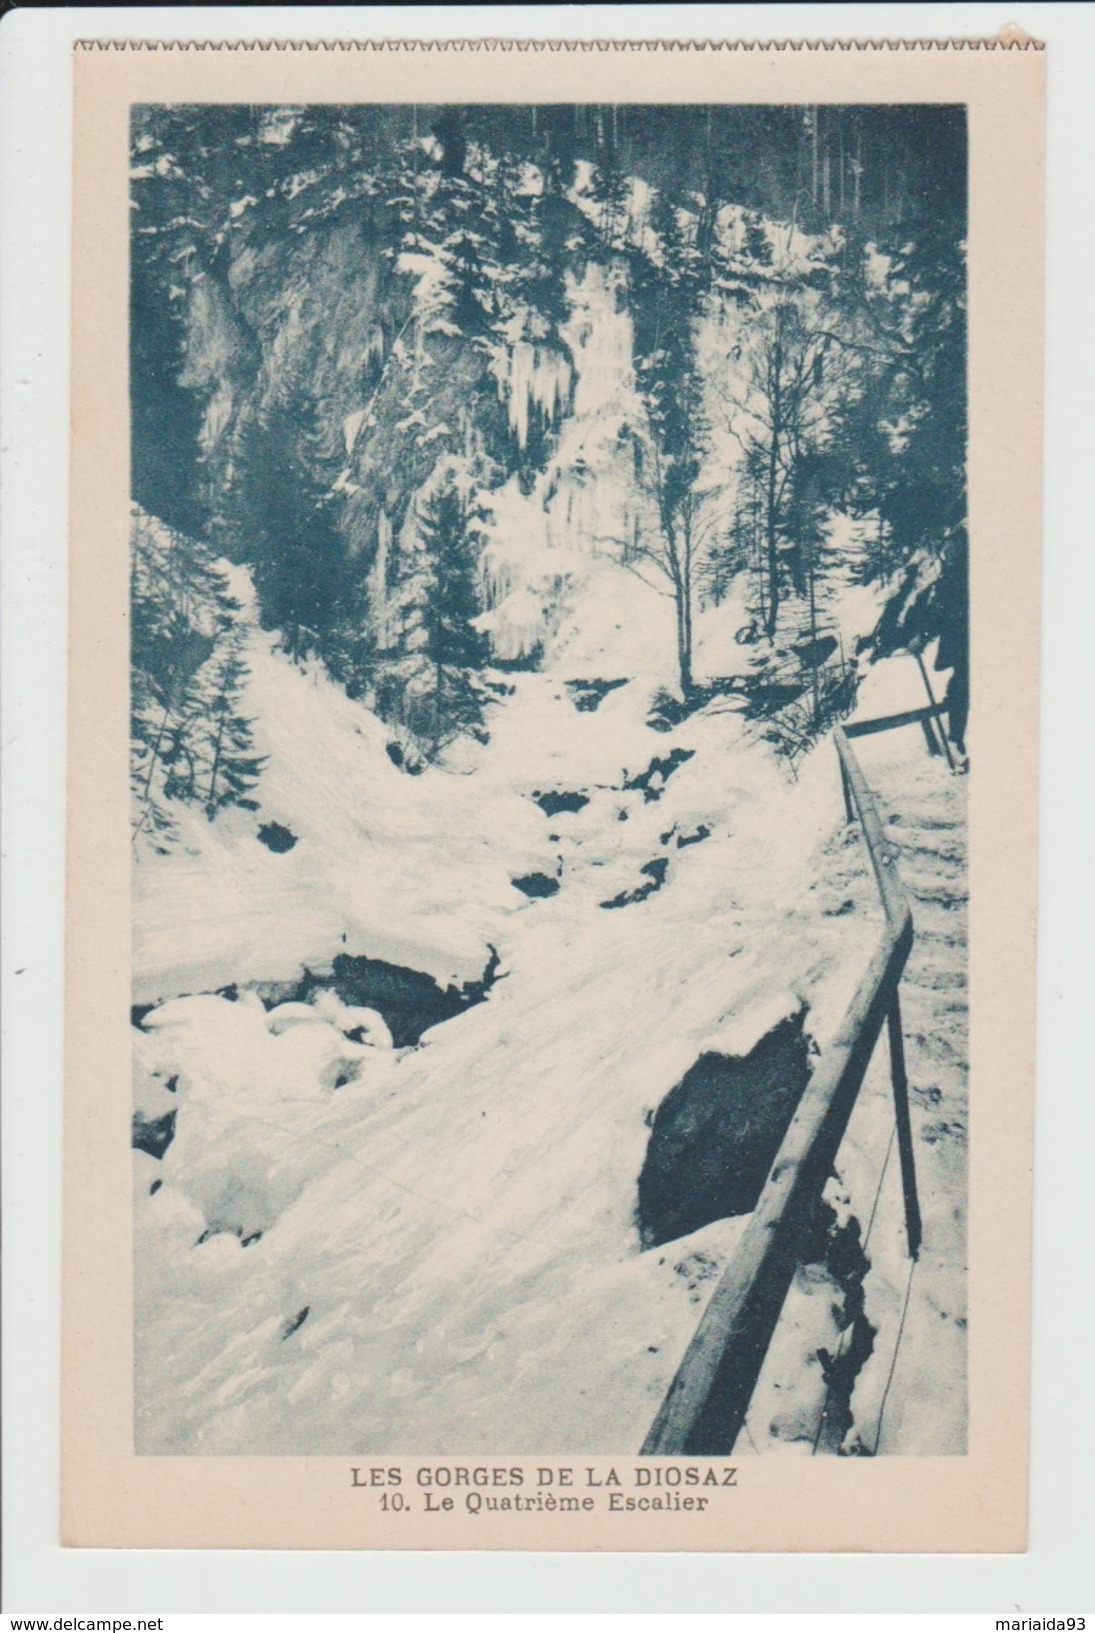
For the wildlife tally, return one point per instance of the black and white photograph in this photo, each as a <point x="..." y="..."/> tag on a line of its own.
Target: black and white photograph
<point x="551" y="728"/>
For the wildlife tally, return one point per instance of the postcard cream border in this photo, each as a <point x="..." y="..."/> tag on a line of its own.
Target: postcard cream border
<point x="978" y="1502"/>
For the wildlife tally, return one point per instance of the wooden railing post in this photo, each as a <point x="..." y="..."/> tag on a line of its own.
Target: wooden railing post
<point x="904" y="1128"/>
<point x="942" y="730"/>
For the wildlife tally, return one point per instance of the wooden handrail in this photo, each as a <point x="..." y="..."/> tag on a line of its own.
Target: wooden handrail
<point x="887" y="722"/>
<point x="705" y="1405"/>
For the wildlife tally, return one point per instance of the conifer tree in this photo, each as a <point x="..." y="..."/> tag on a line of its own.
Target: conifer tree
<point x="227" y="767"/>
<point x="276" y="515"/>
<point x="190" y="740"/>
<point x="610" y="187"/>
<point x="436" y="675"/>
<point x="925" y="500"/>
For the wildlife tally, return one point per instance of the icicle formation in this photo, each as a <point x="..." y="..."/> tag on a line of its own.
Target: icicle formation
<point x="539" y="382"/>
<point x="522" y="575"/>
<point x="583" y="505"/>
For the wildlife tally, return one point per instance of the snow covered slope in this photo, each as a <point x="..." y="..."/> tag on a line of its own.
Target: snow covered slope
<point x="348" y="1247"/>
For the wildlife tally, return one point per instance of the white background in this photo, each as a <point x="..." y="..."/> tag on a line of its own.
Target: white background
<point x="1056" y="1576"/>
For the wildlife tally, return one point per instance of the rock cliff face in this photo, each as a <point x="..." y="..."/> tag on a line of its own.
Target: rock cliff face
<point x="339" y="401"/>
<point x="419" y="370"/>
<point x="334" y="406"/>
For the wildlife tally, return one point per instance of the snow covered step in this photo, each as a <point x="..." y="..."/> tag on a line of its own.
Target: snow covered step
<point x="909" y="1396"/>
<point x="928" y="870"/>
<point x="925" y="822"/>
<point x="932" y="982"/>
<point x="923" y="848"/>
<point x="927" y="896"/>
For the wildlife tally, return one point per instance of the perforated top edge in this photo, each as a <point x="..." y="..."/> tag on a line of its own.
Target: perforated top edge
<point x="1008" y="43"/>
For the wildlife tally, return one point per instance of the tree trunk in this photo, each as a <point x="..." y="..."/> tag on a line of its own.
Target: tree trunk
<point x="438" y="704"/>
<point x="771" y="528"/>
<point x="813" y="641"/>
<point x="757" y="557"/>
<point x="687" y="586"/>
<point x="152" y="764"/>
<point x="684" y="652"/>
<point x="210" y="807"/>
<point x="813" y="155"/>
<point x="155" y="755"/>
<point x="682" y="589"/>
<point x="681" y="601"/>
<point x="771" y="541"/>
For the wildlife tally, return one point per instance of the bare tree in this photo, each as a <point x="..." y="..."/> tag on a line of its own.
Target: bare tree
<point x="784" y="374"/>
<point x="669" y="554"/>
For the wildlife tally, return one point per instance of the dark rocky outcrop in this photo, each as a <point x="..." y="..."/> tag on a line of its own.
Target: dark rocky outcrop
<point x="588" y="695"/>
<point x="409" y="1000"/>
<point x="717" y="1132"/>
<point x="655" y="872"/>
<point x="153" y="1134"/>
<point x="702" y="832"/>
<point x="652" y="781"/>
<point x="276" y="837"/>
<point x="536" y="885"/>
<point x="555" y="800"/>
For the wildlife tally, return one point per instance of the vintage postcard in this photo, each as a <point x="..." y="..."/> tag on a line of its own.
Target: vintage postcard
<point x="555" y="561"/>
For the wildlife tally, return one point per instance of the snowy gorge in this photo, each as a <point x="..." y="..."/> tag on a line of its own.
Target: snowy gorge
<point x="431" y="913"/>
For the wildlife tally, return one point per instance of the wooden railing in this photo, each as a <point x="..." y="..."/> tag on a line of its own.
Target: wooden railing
<point x="706" y="1403"/>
